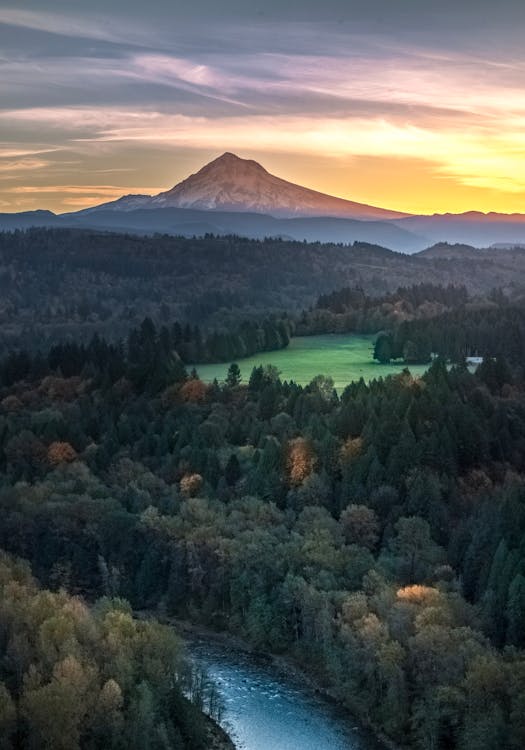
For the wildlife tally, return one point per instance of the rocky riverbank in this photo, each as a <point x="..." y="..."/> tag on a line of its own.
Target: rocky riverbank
<point x="218" y="739"/>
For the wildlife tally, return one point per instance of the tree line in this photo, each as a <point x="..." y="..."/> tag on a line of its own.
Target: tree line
<point x="71" y="283"/>
<point x="150" y="356"/>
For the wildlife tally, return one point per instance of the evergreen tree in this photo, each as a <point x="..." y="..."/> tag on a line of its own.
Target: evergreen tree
<point x="233" y="378"/>
<point x="383" y="348"/>
<point x="516" y="612"/>
<point x="232" y="472"/>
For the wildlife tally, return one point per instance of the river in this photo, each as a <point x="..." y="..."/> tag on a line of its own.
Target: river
<point x="265" y="708"/>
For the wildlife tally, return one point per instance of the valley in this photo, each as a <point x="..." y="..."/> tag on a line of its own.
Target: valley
<point x="262" y="375"/>
<point x="343" y="358"/>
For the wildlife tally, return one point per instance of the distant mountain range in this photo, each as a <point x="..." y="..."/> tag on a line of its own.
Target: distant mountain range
<point x="231" y="195"/>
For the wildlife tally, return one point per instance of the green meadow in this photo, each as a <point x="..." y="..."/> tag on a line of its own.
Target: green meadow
<point x="344" y="358"/>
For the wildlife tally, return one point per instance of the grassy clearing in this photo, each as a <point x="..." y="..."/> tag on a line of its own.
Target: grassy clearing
<point x="344" y="358"/>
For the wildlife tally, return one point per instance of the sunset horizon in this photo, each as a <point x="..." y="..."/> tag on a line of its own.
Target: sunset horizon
<point x="70" y="198"/>
<point x="408" y="109"/>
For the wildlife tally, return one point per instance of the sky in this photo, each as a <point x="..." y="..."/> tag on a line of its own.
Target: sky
<point x="412" y="105"/>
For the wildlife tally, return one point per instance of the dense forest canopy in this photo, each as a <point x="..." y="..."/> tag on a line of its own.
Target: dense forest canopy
<point x="352" y="310"/>
<point x="362" y="535"/>
<point x="59" y="283"/>
<point x="376" y="537"/>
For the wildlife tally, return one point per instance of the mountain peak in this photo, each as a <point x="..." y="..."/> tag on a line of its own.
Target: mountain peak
<point x="231" y="183"/>
<point x="228" y="157"/>
<point x="231" y="163"/>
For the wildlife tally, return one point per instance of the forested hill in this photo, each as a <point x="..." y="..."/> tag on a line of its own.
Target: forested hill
<point x="58" y="283"/>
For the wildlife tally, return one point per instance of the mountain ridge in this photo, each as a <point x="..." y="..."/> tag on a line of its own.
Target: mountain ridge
<point x="189" y="222"/>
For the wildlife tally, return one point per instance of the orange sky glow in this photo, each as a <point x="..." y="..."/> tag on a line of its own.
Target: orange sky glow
<point x="412" y="126"/>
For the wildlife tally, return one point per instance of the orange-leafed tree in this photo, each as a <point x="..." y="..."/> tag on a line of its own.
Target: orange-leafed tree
<point x="191" y="484"/>
<point x="194" y="391"/>
<point x="301" y="460"/>
<point x="61" y="452"/>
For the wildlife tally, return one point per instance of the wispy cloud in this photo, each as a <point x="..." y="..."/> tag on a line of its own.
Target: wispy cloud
<point x="106" y="28"/>
<point x="476" y="156"/>
<point x="22" y="165"/>
<point x="99" y="86"/>
<point x="457" y="85"/>
<point x="12" y="153"/>
<point x="72" y="196"/>
<point x="111" y="191"/>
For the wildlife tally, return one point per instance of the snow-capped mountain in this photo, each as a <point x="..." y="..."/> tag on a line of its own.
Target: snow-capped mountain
<point x="230" y="183"/>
